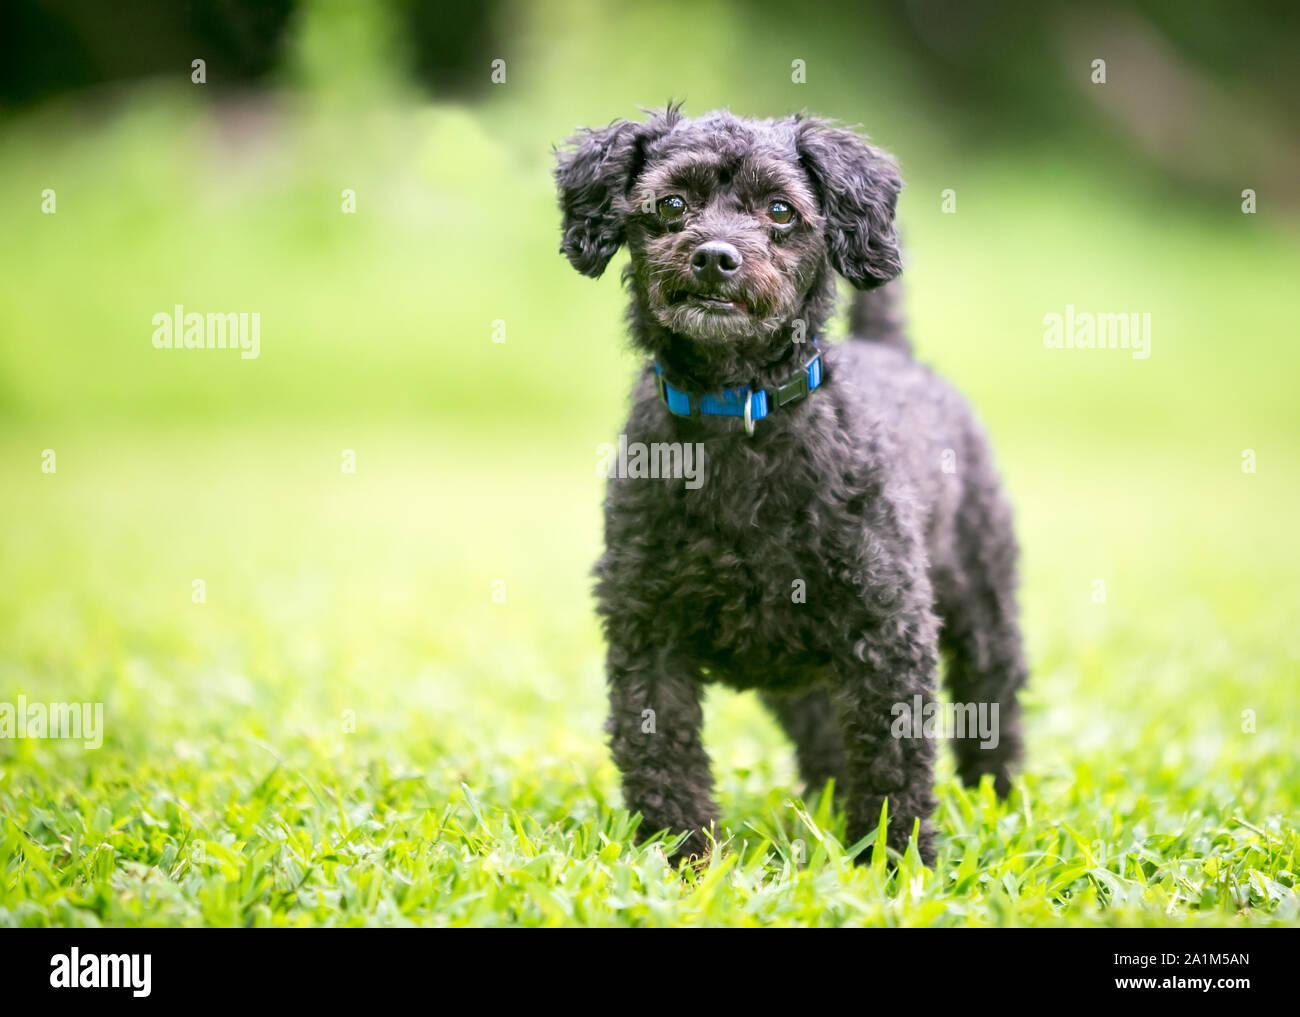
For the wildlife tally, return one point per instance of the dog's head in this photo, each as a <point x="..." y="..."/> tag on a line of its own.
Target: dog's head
<point x="732" y="223"/>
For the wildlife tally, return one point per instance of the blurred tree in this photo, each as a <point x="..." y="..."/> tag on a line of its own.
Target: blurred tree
<point x="1208" y="91"/>
<point x="452" y="44"/>
<point x="54" y="46"/>
<point x="1205" y="91"/>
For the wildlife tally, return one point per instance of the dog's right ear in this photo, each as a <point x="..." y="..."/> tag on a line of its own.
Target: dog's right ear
<point x="594" y="171"/>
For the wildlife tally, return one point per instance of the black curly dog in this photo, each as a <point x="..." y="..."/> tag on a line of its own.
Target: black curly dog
<point x="842" y="532"/>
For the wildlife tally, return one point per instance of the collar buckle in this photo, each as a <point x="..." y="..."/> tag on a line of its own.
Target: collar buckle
<point x="805" y="381"/>
<point x="793" y="390"/>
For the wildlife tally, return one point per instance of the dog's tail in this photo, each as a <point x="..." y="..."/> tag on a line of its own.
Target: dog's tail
<point x="877" y="316"/>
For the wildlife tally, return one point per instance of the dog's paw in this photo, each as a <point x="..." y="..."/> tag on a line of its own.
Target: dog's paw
<point x="1000" y="775"/>
<point x="696" y="850"/>
<point x="899" y="840"/>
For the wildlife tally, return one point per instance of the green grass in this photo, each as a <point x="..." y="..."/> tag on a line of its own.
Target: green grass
<point x="351" y="731"/>
<point x="475" y="788"/>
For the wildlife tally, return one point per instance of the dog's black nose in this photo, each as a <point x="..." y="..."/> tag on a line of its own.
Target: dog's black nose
<point x="715" y="261"/>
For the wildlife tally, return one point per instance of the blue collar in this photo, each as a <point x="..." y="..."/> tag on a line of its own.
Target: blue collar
<point x="746" y="401"/>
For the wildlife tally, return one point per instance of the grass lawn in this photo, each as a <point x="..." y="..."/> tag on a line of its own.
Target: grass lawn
<point x="351" y="729"/>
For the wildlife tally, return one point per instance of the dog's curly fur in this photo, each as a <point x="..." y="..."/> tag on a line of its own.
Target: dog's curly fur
<point x="843" y="495"/>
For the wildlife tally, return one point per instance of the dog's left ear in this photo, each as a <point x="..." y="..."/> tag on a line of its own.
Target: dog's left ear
<point x="594" y="171"/>
<point x="858" y="187"/>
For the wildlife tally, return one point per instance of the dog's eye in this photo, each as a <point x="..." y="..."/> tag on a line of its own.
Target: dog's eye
<point x="780" y="212"/>
<point x="671" y="207"/>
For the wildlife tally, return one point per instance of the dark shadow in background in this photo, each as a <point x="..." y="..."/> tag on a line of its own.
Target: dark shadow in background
<point x="52" y="47"/>
<point x="1208" y="92"/>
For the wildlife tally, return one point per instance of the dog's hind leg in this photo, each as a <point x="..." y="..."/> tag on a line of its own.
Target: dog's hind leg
<point x="810" y="722"/>
<point x="981" y="641"/>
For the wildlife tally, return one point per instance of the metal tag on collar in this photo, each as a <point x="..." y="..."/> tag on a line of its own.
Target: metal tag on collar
<point x="749" y="413"/>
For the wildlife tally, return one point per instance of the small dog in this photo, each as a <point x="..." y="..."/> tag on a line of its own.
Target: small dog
<point x="849" y="523"/>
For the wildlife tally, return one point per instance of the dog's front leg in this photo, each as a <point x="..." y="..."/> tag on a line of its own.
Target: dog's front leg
<point x="890" y="758"/>
<point x="655" y="734"/>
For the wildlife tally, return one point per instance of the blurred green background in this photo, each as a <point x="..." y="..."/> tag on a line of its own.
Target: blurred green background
<point x="330" y="592"/>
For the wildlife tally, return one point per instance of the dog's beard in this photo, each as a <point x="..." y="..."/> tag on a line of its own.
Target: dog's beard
<point x="753" y="309"/>
<point x="706" y="324"/>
